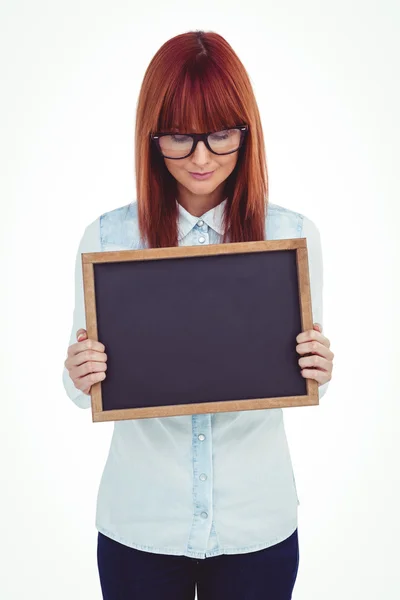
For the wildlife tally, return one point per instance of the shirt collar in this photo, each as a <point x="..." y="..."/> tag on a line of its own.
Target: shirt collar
<point x="213" y="218"/>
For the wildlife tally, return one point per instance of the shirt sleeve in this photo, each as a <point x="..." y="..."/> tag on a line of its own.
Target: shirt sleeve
<point x="90" y="242"/>
<point x="315" y="264"/>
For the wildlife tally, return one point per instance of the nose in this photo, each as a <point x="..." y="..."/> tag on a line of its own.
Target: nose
<point x="201" y="156"/>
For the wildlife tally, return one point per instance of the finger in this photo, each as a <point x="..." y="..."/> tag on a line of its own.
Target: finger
<point x="83" y="383"/>
<point x="75" y="360"/>
<point x="81" y="334"/>
<point x="315" y="347"/>
<point x="316" y="362"/>
<point x="320" y="376"/>
<point x="87" y="356"/>
<point x="310" y="335"/>
<point x="85" y="345"/>
<point x="318" y="327"/>
<point x="88" y="367"/>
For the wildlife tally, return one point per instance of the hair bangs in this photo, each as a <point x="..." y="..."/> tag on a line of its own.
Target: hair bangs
<point x="201" y="101"/>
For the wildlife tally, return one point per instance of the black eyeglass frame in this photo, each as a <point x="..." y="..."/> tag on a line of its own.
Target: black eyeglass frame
<point x="197" y="137"/>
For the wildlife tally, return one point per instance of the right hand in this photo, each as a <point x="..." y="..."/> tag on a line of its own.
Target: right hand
<point x="86" y="362"/>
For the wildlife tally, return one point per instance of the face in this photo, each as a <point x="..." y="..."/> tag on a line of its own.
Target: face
<point x="202" y="160"/>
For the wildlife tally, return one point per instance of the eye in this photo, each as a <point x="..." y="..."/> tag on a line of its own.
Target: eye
<point x="220" y="135"/>
<point x="180" y="138"/>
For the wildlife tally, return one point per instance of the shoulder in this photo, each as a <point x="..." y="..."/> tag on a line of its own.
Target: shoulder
<point x="284" y="223"/>
<point x="120" y="227"/>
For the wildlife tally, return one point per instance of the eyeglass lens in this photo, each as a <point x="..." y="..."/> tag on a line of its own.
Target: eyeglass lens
<point x="178" y="145"/>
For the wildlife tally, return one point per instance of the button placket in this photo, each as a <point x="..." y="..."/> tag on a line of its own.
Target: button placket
<point x="202" y="488"/>
<point x="202" y="228"/>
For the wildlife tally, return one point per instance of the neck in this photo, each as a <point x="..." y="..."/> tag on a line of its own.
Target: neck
<point x="198" y="204"/>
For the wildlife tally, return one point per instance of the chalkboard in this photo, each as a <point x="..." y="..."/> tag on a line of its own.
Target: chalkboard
<point x="199" y="329"/>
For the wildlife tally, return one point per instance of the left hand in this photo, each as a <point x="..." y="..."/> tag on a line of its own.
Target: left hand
<point x="319" y="365"/>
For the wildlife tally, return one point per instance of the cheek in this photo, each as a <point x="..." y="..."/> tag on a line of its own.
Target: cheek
<point x="176" y="168"/>
<point x="229" y="164"/>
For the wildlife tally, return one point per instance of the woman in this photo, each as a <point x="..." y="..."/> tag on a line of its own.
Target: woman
<point x="207" y="500"/>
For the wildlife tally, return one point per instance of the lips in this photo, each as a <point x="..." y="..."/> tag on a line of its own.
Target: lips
<point x="201" y="175"/>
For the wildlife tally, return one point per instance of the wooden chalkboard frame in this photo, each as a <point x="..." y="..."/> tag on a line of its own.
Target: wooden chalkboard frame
<point x="117" y="256"/>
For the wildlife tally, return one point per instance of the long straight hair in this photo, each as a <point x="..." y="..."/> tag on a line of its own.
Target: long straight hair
<point x="196" y="82"/>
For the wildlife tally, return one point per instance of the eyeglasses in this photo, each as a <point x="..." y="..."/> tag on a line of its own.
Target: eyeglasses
<point x="182" y="145"/>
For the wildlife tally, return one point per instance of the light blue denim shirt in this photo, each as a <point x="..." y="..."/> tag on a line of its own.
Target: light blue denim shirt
<point x="206" y="484"/>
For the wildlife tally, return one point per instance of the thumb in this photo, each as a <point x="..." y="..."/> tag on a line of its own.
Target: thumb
<point x="81" y="334"/>
<point x="318" y="327"/>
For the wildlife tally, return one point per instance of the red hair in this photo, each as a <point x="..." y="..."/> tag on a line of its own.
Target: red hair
<point x="196" y="82"/>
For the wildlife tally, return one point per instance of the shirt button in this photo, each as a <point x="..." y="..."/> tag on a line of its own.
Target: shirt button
<point x="202" y="240"/>
<point x="203" y="477"/>
<point x="204" y="515"/>
<point x="202" y="437"/>
<point x="200" y="223"/>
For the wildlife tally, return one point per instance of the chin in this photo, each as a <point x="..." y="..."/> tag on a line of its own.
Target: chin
<point x="201" y="187"/>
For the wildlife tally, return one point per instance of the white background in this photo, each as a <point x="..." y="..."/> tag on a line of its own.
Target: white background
<point x="326" y="77"/>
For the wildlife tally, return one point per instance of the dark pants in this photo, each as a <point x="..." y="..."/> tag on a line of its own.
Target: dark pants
<point x="130" y="574"/>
